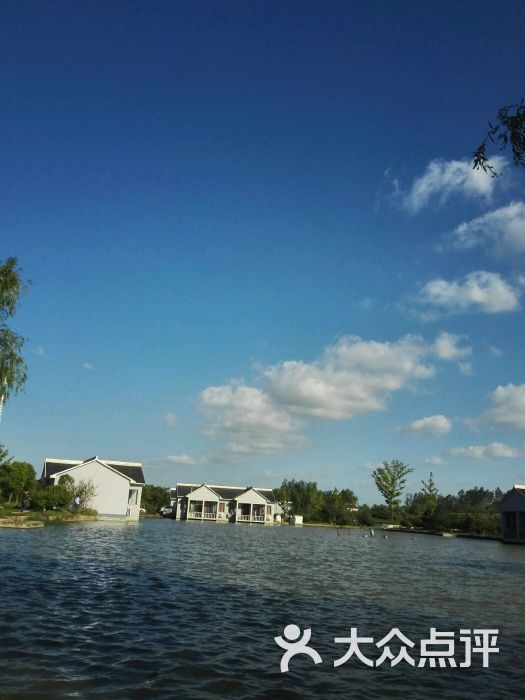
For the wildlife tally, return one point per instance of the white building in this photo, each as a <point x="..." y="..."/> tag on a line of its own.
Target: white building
<point x="234" y="504"/>
<point x="118" y="484"/>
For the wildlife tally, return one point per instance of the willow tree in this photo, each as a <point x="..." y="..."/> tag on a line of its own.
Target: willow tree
<point x="508" y="130"/>
<point x="13" y="369"/>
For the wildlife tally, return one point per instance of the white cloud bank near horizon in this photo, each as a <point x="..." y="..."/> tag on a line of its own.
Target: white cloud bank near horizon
<point x="351" y="377"/>
<point x="443" y="178"/>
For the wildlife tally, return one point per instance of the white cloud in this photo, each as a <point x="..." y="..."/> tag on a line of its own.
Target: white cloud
<point x="170" y="420"/>
<point x="250" y="422"/>
<point x="182" y="459"/>
<point x="434" y="461"/>
<point x="480" y="291"/>
<point x="466" y="368"/>
<point x="88" y="366"/>
<point x="507" y="407"/>
<point x="352" y="377"/>
<point x="39" y="350"/>
<point x="496" y="450"/>
<point x="430" y="425"/>
<point x="443" y="178"/>
<point x="500" y="232"/>
<point x="447" y="347"/>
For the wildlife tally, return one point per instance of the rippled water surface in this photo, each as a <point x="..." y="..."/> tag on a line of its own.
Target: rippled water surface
<point x="165" y="609"/>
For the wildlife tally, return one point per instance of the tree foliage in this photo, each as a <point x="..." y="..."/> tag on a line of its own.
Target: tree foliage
<point x="304" y="498"/>
<point x="86" y="490"/>
<point x="13" y="369"/>
<point x="430" y="493"/>
<point x="390" y="480"/>
<point x="154" y="497"/>
<point x="16" y="478"/>
<point x="49" y="497"/>
<point x="509" y="129"/>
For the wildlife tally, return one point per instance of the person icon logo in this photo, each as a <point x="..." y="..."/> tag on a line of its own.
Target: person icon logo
<point x="292" y="633"/>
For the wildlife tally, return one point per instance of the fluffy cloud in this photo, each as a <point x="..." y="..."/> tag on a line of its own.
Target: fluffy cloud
<point x="182" y="459"/>
<point x="353" y="376"/>
<point x="447" y="347"/>
<point x="443" y="178"/>
<point x="496" y="450"/>
<point x="501" y="232"/>
<point x="430" y="425"/>
<point x="249" y="420"/>
<point x="480" y="291"/>
<point x="507" y="407"/>
<point x="88" y="366"/>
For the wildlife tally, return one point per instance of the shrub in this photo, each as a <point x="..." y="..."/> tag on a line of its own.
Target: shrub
<point x="48" y="497"/>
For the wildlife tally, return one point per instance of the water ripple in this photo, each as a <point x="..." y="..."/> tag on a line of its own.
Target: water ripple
<point x="189" y="610"/>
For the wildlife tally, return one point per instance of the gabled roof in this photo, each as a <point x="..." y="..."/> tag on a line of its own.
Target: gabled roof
<point x="225" y="493"/>
<point x="131" y="470"/>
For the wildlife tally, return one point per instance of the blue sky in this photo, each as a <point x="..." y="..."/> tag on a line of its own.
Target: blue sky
<point x="257" y="247"/>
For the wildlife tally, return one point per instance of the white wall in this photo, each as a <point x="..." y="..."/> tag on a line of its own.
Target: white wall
<point x="112" y="488"/>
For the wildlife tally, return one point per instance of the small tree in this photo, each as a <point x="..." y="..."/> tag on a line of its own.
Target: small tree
<point x="86" y="491"/>
<point x="67" y="481"/>
<point x="390" y="480"/>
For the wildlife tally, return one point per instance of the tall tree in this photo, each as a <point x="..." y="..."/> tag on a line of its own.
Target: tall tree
<point x="13" y="369"/>
<point x="390" y="480"/>
<point x="509" y="129"/>
<point x="430" y="493"/>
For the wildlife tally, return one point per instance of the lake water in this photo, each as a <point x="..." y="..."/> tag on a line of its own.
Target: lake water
<point x="166" y="609"/>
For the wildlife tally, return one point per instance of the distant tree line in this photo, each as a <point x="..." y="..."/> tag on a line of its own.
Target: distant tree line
<point x="306" y="499"/>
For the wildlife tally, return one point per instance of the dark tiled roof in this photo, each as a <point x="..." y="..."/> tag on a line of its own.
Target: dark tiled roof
<point x="268" y="494"/>
<point x="132" y="471"/>
<point x="226" y="493"/>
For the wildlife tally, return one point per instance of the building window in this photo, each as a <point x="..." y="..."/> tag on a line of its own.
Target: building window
<point x="268" y="510"/>
<point x="132" y="497"/>
<point x="221" y="507"/>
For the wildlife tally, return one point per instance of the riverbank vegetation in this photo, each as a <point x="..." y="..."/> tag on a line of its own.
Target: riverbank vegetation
<point x="20" y="491"/>
<point x="473" y="511"/>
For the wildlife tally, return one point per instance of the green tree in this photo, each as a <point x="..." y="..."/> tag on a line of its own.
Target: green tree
<point x="305" y="497"/>
<point x="430" y="493"/>
<point x="154" y="497"/>
<point x="68" y="482"/>
<point x="509" y="129"/>
<point x="48" y="497"/>
<point x="390" y="480"/>
<point x="15" y="478"/>
<point x="13" y="369"/>
<point x="333" y="509"/>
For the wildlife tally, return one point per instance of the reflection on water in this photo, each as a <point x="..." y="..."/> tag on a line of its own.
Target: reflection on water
<point x="165" y="609"/>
